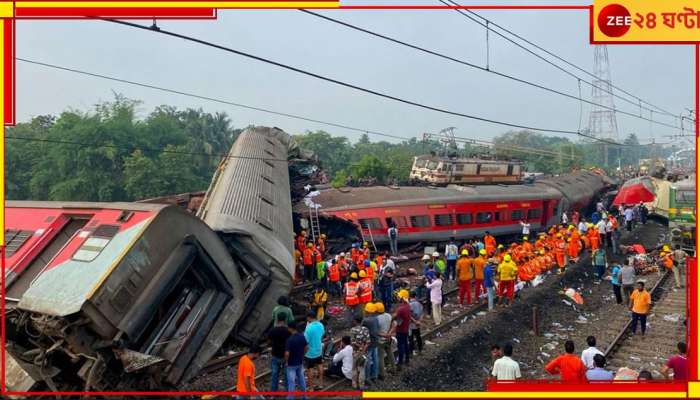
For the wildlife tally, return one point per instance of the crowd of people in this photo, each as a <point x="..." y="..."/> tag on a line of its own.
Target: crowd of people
<point x="384" y="310"/>
<point x="589" y="367"/>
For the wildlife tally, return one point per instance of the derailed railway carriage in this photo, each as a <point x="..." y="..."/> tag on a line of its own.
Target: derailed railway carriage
<point x="105" y="296"/>
<point x="98" y="294"/>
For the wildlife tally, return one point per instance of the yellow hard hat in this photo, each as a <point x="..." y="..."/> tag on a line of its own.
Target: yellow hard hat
<point x="542" y="251"/>
<point x="403" y="294"/>
<point x="363" y="274"/>
<point x="309" y="245"/>
<point x="379" y="306"/>
<point x="482" y="252"/>
<point x="365" y="244"/>
<point x="571" y="226"/>
<point x="558" y="235"/>
<point x="590" y="225"/>
<point x="303" y="232"/>
<point x="500" y="246"/>
<point x="323" y="236"/>
<point x="524" y="237"/>
<point x="506" y="257"/>
<point x="465" y="252"/>
<point x="370" y="308"/>
<point x="666" y="248"/>
<point x="353" y="275"/>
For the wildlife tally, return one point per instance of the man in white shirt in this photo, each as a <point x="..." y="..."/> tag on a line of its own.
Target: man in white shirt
<point x="505" y="368"/>
<point x="582" y="226"/>
<point x="342" y="361"/>
<point x="564" y="218"/>
<point x="588" y="354"/>
<point x="435" y="288"/>
<point x="526" y="228"/>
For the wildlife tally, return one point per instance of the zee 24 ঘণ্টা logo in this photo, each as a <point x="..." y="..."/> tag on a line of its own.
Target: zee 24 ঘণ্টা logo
<point x="666" y="20"/>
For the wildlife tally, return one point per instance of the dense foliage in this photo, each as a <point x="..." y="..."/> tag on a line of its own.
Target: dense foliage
<point x="109" y="154"/>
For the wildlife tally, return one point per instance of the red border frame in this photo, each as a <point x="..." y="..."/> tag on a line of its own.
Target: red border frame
<point x="211" y="13"/>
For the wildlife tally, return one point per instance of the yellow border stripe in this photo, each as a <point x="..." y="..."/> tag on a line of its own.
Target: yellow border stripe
<point x="183" y="4"/>
<point x="531" y="395"/>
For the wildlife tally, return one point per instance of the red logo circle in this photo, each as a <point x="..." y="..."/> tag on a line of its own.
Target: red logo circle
<point x="614" y="20"/>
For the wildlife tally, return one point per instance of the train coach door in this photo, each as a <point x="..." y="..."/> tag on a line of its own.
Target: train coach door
<point x="545" y="213"/>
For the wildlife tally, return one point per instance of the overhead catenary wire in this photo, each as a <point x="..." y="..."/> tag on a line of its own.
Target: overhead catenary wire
<point x="640" y="100"/>
<point x="487" y="69"/>
<point x="354" y="86"/>
<point x="557" y="66"/>
<point x="237" y="104"/>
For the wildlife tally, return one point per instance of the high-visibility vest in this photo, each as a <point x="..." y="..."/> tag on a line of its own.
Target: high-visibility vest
<point x="301" y="242"/>
<point x="354" y="255"/>
<point x="321" y="245"/>
<point x="365" y="287"/>
<point x="351" y="298"/>
<point x="370" y="271"/>
<point x="334" y="272"/>
<point x="668" y="261"/>
<point x="308" y="256"/>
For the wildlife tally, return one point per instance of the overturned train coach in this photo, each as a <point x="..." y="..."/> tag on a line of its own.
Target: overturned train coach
<point x="438" y="213"/>
<point x="104" y="296"/>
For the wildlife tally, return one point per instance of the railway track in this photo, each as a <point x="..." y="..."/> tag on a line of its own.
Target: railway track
<point x="334" y="384"/>
<point x="665" y="329"/>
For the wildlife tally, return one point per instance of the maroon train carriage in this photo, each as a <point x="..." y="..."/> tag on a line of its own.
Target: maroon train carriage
<point x="438" y="213"/>
<point x="106" y="295"/>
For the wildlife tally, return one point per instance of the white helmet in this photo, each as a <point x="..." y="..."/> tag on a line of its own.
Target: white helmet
<point x="436" y="254"/>
<point x="342" y="254"/>
<point x="426" y="257"/>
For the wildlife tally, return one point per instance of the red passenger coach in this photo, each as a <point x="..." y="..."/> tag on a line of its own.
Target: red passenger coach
<point x="436" y="214"/>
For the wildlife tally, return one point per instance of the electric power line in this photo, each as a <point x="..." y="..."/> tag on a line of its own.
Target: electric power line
<point x="569" y="62"/>
<point x="487" y="69"/>
<point x="573" y="75"/>
<point x="352" y="86"/>
<point x="235" y="104"/>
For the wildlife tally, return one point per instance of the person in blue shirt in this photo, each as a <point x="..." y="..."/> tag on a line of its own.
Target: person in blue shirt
<point x="314" y="354"/>
<point x="595" y="217"/>
<point x="294" y="355"/>
<point x="489" y="271"/>
<point x="615" y="281"/>
<point x="599" y="373"/>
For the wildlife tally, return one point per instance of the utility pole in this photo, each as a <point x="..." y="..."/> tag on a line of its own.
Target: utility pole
<point x="602" y="121"/>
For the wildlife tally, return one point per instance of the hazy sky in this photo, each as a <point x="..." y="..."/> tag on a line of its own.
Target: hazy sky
<point x="662" y="75"/>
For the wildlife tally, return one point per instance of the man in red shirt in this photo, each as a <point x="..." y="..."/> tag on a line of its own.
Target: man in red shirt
<point x="402" y="316"/>
<point x="677" y="363"/>
<point x="569" y="367"/>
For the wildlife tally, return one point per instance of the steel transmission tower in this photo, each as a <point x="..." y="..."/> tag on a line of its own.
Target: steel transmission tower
<point x="602" y="122"/>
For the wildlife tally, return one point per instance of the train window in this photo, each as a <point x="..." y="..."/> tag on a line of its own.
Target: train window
<point x="533" y="214"/>
<point x="432" y="164"/>
<point x="459" y="167"/>
<point x="420" y="163"/>
<point x="14" y="239"/>
<point x="464" y="219"/>
<point x="371" y="223"/>
<point x="483" y="217"/>
<point x="443" y="219"/>
<point x="400" y="221"/>
<point x="90" y="249"/>
<point x="497" y="216"/>
<point x="420" y="221"/>
<point x="516" y="215"/>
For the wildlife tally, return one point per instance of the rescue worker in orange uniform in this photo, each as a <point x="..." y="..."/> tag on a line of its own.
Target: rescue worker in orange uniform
<point x="365" y="250"/>
<point x="478" y="264"/>
<point x="560" y="253"/>
<point x="594" y="239"/>
<point x="464" y="277"/>
<point x="309" y="270"/>
<point x="352" y="299"/>
<point x="321" y="244"/>
<point x="355" y="253"/>
<point x="334" y="278"/>
<point x="527" y="246"/>
<point x="489" y="243"/>
<point x="574" y="245"/>
<point x="364" y="288"/>
<point x="301" y="241"/>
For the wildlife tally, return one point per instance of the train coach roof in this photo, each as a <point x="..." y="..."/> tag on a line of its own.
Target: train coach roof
<point x="85" y="205"/>
<point x="383" y="196"/>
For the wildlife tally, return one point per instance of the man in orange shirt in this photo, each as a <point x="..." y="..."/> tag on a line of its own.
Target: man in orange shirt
<point x="489" y="243"/>
<point x="464" y="276"/>
<point x="478" y="265"/>
<point x="640" y="303"/>
<point x="569" y="367"/>
<point x="246" y="371"/>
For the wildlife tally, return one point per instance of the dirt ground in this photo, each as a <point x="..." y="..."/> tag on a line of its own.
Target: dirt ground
<point x="460" y="359"/>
